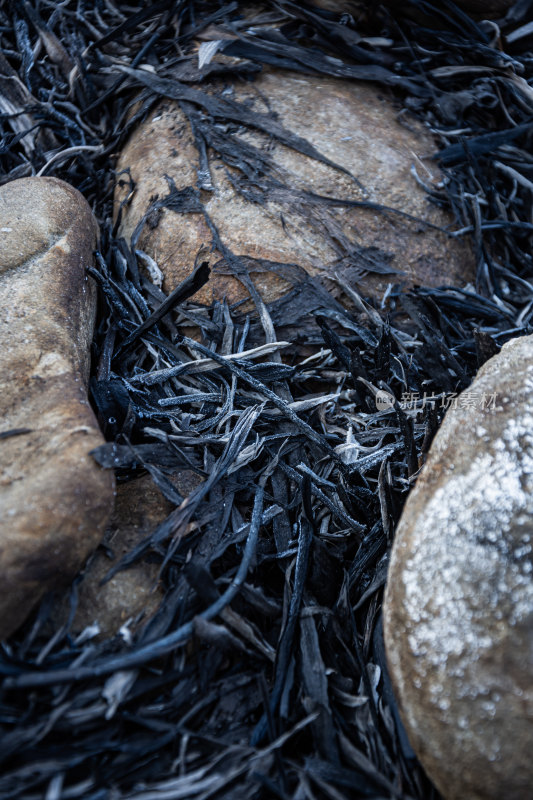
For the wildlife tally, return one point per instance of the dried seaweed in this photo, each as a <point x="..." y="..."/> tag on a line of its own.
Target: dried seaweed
<point x="262" y="673"/>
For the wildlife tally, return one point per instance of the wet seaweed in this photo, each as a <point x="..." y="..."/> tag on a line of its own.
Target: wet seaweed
<point x="262" y="672"/>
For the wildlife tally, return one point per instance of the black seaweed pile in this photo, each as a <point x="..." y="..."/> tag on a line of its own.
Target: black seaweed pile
<point x="262" y="674"/>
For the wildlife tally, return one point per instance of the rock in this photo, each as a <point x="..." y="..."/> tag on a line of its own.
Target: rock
<point x="54" y="499"/>
<point x="132" y="595"/>
<point x="458" y="609"/>
<point x="356" y="126"/>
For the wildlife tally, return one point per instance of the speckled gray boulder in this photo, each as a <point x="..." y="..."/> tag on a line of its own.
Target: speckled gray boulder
<point x="458" y="613"/>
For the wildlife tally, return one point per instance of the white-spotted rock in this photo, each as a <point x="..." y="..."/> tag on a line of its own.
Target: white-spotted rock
<point x="458" y="611"/>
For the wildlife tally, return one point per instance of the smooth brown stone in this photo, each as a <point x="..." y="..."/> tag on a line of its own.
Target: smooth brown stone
<point x="54" y="499"/>
<point x="458" y="609"/>
<point x="354" y="125"/>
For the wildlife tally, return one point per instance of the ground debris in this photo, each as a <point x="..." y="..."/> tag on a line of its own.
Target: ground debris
<point x="262" y="673"/>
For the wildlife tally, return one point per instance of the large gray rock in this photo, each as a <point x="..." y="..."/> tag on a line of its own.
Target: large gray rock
<point x="354" y="125"/>
<point x="458" y="612"/>
<point x="54" y="499"/>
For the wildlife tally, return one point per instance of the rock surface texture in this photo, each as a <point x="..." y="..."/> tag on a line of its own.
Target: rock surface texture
<point x="54" y="499"/>
<point x="458" y="613"/>
<point x="272" y="214"/>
